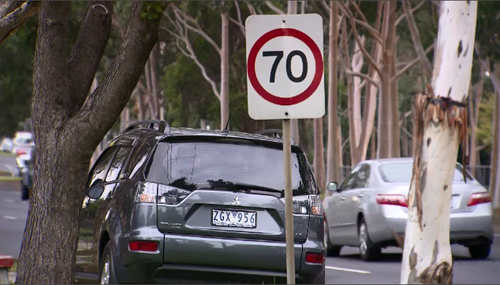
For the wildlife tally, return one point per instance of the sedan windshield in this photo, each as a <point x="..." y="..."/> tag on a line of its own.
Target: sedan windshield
<point x="227" y="166"/>
<point x="400" y="172"/>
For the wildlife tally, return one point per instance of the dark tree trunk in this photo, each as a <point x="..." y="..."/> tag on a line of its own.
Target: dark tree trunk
<point x="61" y="119"/>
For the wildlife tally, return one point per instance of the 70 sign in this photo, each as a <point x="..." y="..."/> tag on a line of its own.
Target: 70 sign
<point x="281" y="92"/>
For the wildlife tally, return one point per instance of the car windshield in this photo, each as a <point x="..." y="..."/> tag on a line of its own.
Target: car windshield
<point x="208" y="165"/>
<point x="400" y="172"/>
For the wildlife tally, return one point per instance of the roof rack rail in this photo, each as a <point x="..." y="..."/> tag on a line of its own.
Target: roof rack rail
<point x="162" y="125"/>
<point x="277" y="133"/>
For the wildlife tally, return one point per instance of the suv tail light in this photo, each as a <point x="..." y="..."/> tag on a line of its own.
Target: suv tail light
<point x="147" y="246"/>
<point x="479" y="198"/>
<point x="149" y="192"/>
<point x="392" y="199"/>
<point x="306" y="204"/>
<point x="315" y="258"/>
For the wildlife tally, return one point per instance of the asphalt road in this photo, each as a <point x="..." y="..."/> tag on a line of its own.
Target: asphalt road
<point x="8" y="163"/>
<point x="350" y="269"/>
<point x="346" y="269"/>
<point x="13" y="213"/>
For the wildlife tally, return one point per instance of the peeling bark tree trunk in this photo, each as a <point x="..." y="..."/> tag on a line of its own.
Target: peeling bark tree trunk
<point x="64" y="113"/>
<point x="224" y="66"/>
<point x="333" y="159"/>
<point x="439" y="128"/>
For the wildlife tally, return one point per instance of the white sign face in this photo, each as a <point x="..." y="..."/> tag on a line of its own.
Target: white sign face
<point x="285" y="76"/>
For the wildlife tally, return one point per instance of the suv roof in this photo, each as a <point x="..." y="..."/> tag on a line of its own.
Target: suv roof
<point x="164" y="131"/>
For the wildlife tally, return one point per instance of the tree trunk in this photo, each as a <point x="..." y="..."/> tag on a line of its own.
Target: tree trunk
<point x="319" y="155"/>
<point x="155" y="91"/>
<point x="60" y="121"/>
<point x="333" y="159"/>
<point x="405" y="138"/>
<point x="427" y="253"/>
<point x="385" y="136"/>
<point x="474" y="120"/>
<point x="396" y="133"/>
<point x="224" y="66"/>
<point x="495" y="158"/>
<point x="304" y="136"/>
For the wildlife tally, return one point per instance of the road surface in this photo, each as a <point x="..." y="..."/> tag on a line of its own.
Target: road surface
<point x="346" y="269"/>
<point x="350" y="269"/>
<point x="8" y="163"/>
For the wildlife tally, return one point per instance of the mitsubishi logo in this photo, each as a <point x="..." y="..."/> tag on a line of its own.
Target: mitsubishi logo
<point x="236" y="202"/>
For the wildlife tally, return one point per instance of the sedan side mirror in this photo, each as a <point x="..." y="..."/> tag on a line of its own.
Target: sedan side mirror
<point x="95" y="192"/>
<point x="332" y="186"/>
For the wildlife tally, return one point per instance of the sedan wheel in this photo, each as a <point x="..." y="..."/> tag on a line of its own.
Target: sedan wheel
<point x="367" y="249"/>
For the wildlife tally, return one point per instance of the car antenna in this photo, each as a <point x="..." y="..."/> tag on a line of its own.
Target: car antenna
<point x="225" y="130"/>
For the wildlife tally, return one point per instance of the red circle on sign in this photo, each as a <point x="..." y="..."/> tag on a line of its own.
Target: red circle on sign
<point x="252" y="76"/>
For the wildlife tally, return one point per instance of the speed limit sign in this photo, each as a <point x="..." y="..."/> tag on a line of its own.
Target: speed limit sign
<point x="285" y="76"/>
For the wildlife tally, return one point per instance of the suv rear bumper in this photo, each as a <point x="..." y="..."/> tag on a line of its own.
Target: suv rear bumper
<point x="193" y="259"/>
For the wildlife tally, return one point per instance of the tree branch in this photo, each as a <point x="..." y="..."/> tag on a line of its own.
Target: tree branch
<point x="183" y="36"/>
<point x="274" y="8"/>
<point x="183" y="17"/>
<point x="18" y="17"/>
<point x="240" y="21"/>
<point x="362" y="75"/>
<point x="114" y="92"/>
<point x="251" y="9"/>
<point x="411" y="64"/>
<point x="356" y="36"/>
<point x="7" y="7"/>
<point x="402" y="17"/>
<point x="416" y="38"/>
<point x="87" y="52"/>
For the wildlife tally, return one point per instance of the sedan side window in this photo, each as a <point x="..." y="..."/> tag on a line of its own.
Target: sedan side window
<point x="362" y="177"/>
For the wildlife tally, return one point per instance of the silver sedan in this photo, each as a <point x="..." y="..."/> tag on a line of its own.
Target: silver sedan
<point x="371" y="205"/>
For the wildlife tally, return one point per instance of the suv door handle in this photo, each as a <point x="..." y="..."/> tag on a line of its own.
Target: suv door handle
<point x="343" y="198"/>
<point x="360" y="195"/>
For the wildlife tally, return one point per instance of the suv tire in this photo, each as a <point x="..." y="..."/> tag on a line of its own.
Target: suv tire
<point x="107" y="273"/>
<point x="481" y="251"/>
<point x="367" y="249"/>
<point x="25" y="193"/>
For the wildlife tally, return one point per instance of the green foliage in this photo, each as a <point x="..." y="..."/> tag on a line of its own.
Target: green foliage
<point x="485" y="122"/>
<point x="153" y="10"/>
<point x="488" y="27"/>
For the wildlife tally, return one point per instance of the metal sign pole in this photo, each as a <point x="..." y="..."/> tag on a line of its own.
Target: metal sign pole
<point x="290" y="250"/>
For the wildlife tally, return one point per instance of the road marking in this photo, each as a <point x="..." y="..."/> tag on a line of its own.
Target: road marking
<point x="347" y="270"/>
<point x="9" y="218"/>
<point x="8" y="201"/>
<point x="497" y="235"/>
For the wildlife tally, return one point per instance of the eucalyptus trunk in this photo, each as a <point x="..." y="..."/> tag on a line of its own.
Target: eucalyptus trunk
<point x="440" y="128"/>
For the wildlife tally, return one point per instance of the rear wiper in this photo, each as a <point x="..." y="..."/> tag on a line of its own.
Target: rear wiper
<point x="238" y="186"/>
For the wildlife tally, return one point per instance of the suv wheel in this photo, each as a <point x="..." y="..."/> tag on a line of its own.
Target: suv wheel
<point x="330" y="249"/>
<point x="106" y="268"/>
<point x="367" y="249"/>
<point x="481" y="251"/>
<point x="25" y="193"/>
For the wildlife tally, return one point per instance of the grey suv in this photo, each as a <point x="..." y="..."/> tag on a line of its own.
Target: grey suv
<point x="176" y="205"/>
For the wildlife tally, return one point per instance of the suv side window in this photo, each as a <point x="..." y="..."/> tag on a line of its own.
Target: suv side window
<point x="139" y="156"/>
<point x="117" y="163"/>
<point x="101" y="167"/>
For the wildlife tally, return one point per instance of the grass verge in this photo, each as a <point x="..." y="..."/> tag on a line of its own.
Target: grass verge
<point x="10" y="178"/>
<point x="7" y="154"/>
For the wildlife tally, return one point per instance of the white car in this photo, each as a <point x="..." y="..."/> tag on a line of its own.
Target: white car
<point x="7" y="145"/>
<point x="371" y="203"/>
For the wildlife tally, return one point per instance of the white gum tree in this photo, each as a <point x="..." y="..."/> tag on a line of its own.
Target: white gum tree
<point x="441" y="124"/>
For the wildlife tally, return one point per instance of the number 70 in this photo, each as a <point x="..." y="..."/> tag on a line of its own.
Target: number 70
<point x="279" y="56"/>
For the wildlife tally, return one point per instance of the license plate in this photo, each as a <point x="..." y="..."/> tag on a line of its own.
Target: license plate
<point x="237" y="219"/>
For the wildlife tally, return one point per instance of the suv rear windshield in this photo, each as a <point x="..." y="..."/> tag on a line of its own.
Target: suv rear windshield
<point x="200" y="165"/>
<point x="400" y="172"/>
